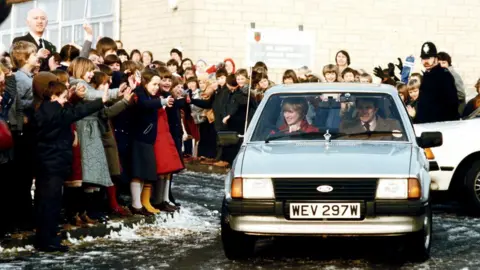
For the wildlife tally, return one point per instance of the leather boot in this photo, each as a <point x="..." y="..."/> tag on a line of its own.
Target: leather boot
<point x="85" y="218"/>
<point x="142" y="211"/>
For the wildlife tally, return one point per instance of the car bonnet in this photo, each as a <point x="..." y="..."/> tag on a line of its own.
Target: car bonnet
<point x="316" y="159"/>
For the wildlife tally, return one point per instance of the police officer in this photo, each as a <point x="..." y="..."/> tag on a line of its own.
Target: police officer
<point x="438" y="95"/>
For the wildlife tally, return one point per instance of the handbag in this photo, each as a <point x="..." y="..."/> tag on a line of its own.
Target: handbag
<point x="6" y="140"/>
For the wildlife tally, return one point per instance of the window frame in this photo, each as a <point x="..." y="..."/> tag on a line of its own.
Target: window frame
<point x="113" y="17"/>
<point x="255" y="135"/>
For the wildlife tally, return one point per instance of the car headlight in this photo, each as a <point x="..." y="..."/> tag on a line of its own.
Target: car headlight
<point x="252" y="188"/>
<point x="392" y="189"/>
<point x="399" y="189"/>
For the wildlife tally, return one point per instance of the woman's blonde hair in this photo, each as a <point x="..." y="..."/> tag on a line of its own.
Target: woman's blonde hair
<point x="80" y="66"/>
<point x="299" y="105"/>
<point x="413" y="84"/>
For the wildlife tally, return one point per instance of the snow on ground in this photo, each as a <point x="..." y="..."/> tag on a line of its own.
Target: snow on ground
<point x="215" y="176"/>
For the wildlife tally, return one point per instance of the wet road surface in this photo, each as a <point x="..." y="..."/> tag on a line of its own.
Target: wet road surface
<point x="191" y="240"/>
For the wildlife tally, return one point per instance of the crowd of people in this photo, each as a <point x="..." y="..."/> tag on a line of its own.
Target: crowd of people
<point x="89" y="124"/>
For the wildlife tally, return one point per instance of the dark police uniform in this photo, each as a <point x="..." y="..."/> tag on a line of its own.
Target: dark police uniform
<point x="438" y="99"/>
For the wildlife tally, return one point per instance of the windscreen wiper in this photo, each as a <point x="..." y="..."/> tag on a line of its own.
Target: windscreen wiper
<point x="394" y="133"/>
<point x="273" y="137"/>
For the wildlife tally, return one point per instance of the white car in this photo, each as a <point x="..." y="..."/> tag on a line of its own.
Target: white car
<point x="455" y="166"/>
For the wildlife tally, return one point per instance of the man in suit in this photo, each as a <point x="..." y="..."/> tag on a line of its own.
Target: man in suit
<point x="37" y="21"/>
<point x="368" y="121"/>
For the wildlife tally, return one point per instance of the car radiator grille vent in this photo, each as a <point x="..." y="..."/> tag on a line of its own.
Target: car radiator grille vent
<point x="306" y="189"/>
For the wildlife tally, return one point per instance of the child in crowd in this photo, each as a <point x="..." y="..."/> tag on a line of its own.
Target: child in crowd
<point x="73" y="193"/>
<point x="365" y="78"/>
<point x="330" y="72"/>
<point x="167" y="156"/>
<point x="95" y="57"/>
<point x="413" y="89"/>
<point x="173" y="67"/>
<point x="90" y="129"/>
<point x="113" y="61"/>
<point x="348" y="75"/>
<point x="196" y="113"/>
<point x="170" y="85"/>
<point x="135" y="56"/>
<point x="25" y="60"/>
<point x="188" y="73"/>
<point x="242" y="80"/>
<point x="147" y="58"/>
<point x="289" y="77"/>
<point x="54" y="157"/>
<point x="208" y="144"/>
<point x="144" y="133"/>
<point x="101" y="81"/>
<point x="123" y="55"/>
<point x="260" y="84"/>
<point x="402" y="92"/>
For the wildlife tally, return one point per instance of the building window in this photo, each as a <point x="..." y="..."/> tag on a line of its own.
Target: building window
<point x="65" y="20"/>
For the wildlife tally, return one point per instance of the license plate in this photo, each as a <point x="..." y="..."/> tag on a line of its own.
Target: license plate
<point x="324" y="210"/>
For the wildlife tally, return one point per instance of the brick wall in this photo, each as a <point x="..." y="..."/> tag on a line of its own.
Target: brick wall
<point x="374" y="32"/>
<point x="151" y="25"/>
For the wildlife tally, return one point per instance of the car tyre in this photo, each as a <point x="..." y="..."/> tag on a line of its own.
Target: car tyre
<point x="236" y="245"/>
<point x="472" y="188"/>
<point x="419" y="243"/>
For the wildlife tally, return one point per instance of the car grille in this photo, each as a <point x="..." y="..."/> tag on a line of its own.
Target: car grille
<point x="343" y="189"/>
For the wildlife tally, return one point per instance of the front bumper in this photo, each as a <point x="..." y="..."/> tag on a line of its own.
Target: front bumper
<point x="270" y="225"/>
<point x="264" y="217"/>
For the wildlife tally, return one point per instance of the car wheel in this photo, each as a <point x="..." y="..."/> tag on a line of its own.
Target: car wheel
<point x="472" y="187"/>
<point x="236" y="245"/>
<point x="419" y="243"/>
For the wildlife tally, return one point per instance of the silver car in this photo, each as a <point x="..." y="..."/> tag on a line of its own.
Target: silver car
<point x="329" y="159"/>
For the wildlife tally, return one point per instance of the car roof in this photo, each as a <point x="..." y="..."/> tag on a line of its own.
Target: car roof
<point x="333" y="87"/>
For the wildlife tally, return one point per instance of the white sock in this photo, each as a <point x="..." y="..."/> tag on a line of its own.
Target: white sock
<point x="165" y="191"/>
<point x="136" y="191"/>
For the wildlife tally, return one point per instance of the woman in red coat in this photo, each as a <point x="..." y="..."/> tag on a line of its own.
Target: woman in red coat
<point x="294" y="114"/>
<point x="168" y="162"/>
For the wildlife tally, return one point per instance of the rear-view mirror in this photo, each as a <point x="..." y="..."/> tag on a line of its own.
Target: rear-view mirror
<point x="430" y="139"/>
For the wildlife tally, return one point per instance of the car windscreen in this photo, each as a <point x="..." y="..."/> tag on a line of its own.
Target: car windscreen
<point x="333" y="115"/>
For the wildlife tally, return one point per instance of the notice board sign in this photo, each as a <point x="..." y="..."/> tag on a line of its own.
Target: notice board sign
<point x="281" y="48"/>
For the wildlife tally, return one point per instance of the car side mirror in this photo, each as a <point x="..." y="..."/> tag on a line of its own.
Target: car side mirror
<point x="227" y="138"/>
<point x="430" y="139"/>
